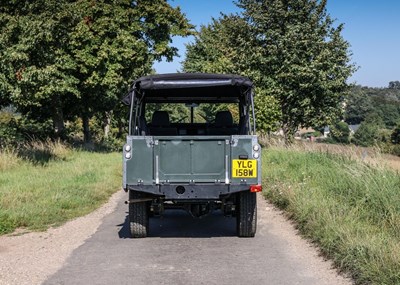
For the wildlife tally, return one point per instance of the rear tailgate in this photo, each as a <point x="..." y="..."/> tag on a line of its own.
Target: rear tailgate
<point x="191" y="159"/>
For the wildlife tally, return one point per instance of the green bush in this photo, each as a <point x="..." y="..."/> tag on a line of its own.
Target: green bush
<point x="340" y="132"/>
<point x="395" y="150"/>
<point x="35" y="130"/>
<point x="369" y="133"/>
<point x="395" y="136"/>
<point x="110" y="144"/>
<point x="9" y="133"/>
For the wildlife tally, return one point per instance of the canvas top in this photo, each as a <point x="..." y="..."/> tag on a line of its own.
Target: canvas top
<point x="191" y="87"/>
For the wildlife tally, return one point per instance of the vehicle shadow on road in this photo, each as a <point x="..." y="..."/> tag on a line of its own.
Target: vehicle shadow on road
<point x="178" y="223"/>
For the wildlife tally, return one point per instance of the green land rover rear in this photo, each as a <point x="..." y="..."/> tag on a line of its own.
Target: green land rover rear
<point x="192" y="146"/>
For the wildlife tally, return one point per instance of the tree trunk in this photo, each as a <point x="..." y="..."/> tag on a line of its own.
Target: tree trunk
<point x="57" y="117"/>
<point x="107" y="123"/>
<point x="86" y="128"/>
<point x="288" y="134"/>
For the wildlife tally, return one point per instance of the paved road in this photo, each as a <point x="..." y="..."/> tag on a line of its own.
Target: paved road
<point x="183" y="250"/>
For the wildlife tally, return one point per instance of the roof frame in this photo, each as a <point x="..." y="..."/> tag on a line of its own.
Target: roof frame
<point x="191" y="87"/>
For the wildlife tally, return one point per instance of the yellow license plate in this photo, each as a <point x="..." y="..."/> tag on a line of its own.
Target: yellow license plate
<point x="244" y="168"/>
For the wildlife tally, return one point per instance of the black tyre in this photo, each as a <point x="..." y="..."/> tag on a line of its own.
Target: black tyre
<point x="138" y="216"/>
<point x="246" y="215"/>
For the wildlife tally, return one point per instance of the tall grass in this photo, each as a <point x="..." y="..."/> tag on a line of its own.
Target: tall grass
<point x="46" y="184"/>
<point x="8" y="159"/>
<point x="34" y="152"/>
<point x="350" y="208"/>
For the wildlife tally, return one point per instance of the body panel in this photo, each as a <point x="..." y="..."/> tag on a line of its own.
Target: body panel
<point x="200" y="164"/>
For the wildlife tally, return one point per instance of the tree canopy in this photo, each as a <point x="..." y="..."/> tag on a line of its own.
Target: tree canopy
<point x="66" y="59"/>
<point x="394" y="84"/>
<point x="221" y="47"/>
<point x="291" y="49"/>
<point x="363" y="101"/>
<point x="369" y="132"/>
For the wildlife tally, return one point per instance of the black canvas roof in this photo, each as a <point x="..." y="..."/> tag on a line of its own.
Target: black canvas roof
<point x="193" y="87"/>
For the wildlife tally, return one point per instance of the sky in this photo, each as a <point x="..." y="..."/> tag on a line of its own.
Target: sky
<point x="371" y="27"/>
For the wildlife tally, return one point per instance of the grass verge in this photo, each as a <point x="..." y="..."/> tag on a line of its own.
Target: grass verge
<point x="45" y="185"/>
<point x="350" y="209"/>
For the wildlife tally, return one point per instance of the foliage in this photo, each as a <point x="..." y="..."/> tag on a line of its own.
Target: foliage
<point x="378" y="111"/>
<point x="267" y="111"/>
<point x="65" y="59"/>
<point x="395" y="136"/>
<point x="305" y="59"/>
<point x="290" y="49"/>
<point x="220" y="47"/>
<point x="340" y="132"/>
<point x="395" y="150"/>
<point x="368" y="134"/>
<point x="351" y="210"/>
<point x="9" y="134"/>
<point x="363" y="101"/>
<point x="34" y="65"/>
<point x="394" y="84"/>
<point x="357" y="106"/>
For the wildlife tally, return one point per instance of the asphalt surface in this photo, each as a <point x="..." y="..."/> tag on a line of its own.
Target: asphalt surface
<point x="183" y="250"/>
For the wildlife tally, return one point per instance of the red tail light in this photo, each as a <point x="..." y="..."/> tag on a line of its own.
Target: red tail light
<point x="255" y="188"/>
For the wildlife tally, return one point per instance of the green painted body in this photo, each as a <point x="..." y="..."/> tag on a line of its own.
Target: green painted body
<point x="174" y="159"/>
<point x="178" y="158"/>
<point x="191" y="159"/>
<point x="187" y="159"/>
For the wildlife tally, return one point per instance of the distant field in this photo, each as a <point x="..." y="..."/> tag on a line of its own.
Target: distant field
<point x="53" y="184"/>
<point x="350" y="208"/>
<point x="369" y="155"/>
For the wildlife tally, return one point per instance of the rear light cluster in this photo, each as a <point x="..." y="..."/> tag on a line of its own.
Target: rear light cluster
<point x="255" y="188"/>
<point x="128" y="153"/>
<point x="256" y="151"/>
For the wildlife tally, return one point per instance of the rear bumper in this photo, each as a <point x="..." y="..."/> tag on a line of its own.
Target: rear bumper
<point x="190" y="191"/>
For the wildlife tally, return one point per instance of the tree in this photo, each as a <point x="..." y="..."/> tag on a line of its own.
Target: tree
<point x="363" y="101"/>
<point x="357" y="106"/>
<point x="34" y="67"/>
<point x="64" y="59"/>
<point x="369" y="132"/>
<point x="221" y="47"/>
<point x="292" y="50"/>
<point x="389" y="111"/>
<point x="304" y="56"/>
<point x="395" y="136"/>
<point x="340" y="132"/>
<point x="218" y="47"/>
<point x="394" y="85"/>
<point x="107" y="61"/>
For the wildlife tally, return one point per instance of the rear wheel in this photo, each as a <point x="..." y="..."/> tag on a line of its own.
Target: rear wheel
<point x="246" y="216"/>
<point x="138" y="216"/>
